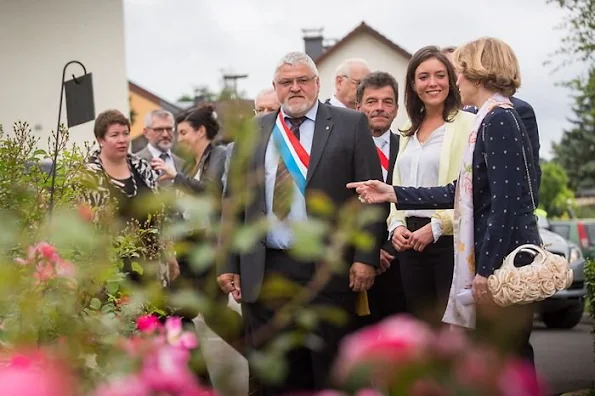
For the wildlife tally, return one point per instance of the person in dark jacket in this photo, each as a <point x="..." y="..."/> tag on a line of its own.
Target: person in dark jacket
<point x="202" y="176"/>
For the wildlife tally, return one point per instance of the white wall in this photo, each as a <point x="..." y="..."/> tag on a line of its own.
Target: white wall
<point x="38" y="37"/>
<point x="379" y="57"/>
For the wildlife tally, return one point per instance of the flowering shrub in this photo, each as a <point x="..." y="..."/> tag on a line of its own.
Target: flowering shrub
<point x="402" y="356"/>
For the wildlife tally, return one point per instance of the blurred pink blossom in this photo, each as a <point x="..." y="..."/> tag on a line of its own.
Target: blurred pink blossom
<point x="148" y="323"/>
<point x="131" y="385"/>
<point x="177" y="337"/>
<point x="395" y="342"/>
<point x="31" y="373"/>
<point x="166" y="370"/>
<point x="518" y="378"/>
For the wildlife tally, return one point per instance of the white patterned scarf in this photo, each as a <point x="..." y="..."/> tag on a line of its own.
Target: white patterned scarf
<point x="464" y="268"/>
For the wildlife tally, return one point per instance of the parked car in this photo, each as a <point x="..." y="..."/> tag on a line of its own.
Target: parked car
<point x="563" y="310"/>
<point x="579" y="231"/>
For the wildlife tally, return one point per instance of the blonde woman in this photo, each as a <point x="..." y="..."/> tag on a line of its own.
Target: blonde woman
<point x="493" y="196"/>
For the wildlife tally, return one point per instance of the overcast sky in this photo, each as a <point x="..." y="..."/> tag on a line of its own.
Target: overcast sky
<point x="173" y="46"/>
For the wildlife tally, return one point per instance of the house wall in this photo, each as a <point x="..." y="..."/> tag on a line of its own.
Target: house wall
<point x="141" y="107"/>
<point x="378" y="55"/>
<point x="38" y="38"/>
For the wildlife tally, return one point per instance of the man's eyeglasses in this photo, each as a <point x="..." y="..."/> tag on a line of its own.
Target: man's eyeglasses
<point x="264" y="110"/>
<point x="353" y="80"/>
<point x="301" y="81"/>
<point x="160" y="130"/>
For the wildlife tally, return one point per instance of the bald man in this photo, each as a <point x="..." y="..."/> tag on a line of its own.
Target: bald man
<point x="266" y="102"/>
<point x="347" y="78"/>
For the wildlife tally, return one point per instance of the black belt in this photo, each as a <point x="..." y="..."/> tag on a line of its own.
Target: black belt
<point x="415" y="223"/>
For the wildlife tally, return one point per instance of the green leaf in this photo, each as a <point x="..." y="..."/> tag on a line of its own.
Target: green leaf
<point x="136" y="267"/>
<point x="309" y="239"/>
<point x="95" y="304"/>
<point x="112" y="287"/>
<point x="270" y="367"/>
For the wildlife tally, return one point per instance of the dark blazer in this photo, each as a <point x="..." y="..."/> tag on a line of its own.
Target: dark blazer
<point x="503" y="210"/>
<point x="211" y="166"/>
<point x="527" y="115"/>
<point x="342" y="151"/>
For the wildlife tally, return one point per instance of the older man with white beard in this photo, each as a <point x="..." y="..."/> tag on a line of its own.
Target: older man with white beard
<point x="306" y="147"/>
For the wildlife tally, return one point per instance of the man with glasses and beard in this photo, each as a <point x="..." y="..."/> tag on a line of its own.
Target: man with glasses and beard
<point x="159" y="131"/>
<point x="305" y="148"/>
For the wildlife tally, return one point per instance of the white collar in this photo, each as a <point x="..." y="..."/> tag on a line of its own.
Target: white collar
<point x="155" y="152"/>
<point x="384" y="138"/>
<point x="336" y="102"/>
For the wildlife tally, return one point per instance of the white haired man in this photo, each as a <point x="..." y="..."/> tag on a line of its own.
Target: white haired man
<point x="347" y="78"/>
<point x="333" y="146"/>
<point x="266" y="102"/>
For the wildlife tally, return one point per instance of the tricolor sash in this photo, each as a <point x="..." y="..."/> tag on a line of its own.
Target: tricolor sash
<point x="293" y="154"/>
<point x="383" y="159"/>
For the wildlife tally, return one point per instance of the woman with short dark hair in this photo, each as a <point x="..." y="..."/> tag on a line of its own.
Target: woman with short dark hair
<point x="120" y="183"/>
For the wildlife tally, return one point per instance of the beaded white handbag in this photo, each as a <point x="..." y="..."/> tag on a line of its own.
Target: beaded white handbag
<point x="545" y="276"/>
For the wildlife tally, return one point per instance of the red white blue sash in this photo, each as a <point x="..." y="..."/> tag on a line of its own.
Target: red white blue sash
<point x="293" y="154"/>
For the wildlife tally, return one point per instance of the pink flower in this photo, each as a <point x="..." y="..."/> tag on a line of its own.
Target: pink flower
<point x="47" y="251"/>
<point x="177" y="337"/>
<point x="395" y="342"/>
<point x="65" y="269"/>
<point x="476" y="368"/>
<point x="44" y="272"/>
<point x="148" y="323"/>
<point x="518" y="378"/>
<point x="449" y="343"/>
<point x="166" y="370"/>
<point x="33" y="374"/>
<point x="131" y="385"/>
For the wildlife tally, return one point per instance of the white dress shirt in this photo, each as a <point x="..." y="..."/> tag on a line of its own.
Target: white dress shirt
<point x="383" y="143"/>
<point x="280" y="235"/>
<point x="419" y="165"/>
<point x="155" y="152"/>
<point x="336" y="102"/>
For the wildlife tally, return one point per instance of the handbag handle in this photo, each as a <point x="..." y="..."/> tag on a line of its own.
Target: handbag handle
<point x="534" y="250"/>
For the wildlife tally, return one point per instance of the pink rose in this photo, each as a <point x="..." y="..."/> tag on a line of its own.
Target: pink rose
<point x="518" y="378"/>
<point x="176" y="336"/>
<point x="395" y="342"/>
<point x="131" y="385"/>
<point x="148" y="323"/>
<point x="65" y="269"/>
<point x="44" y="272"/>
<point x="166" y="370"/>
<point x="34" y="374"/>
<point x="449" y="343"/>
<point x="476" y="368"/>
<point x="47" y="251"/>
